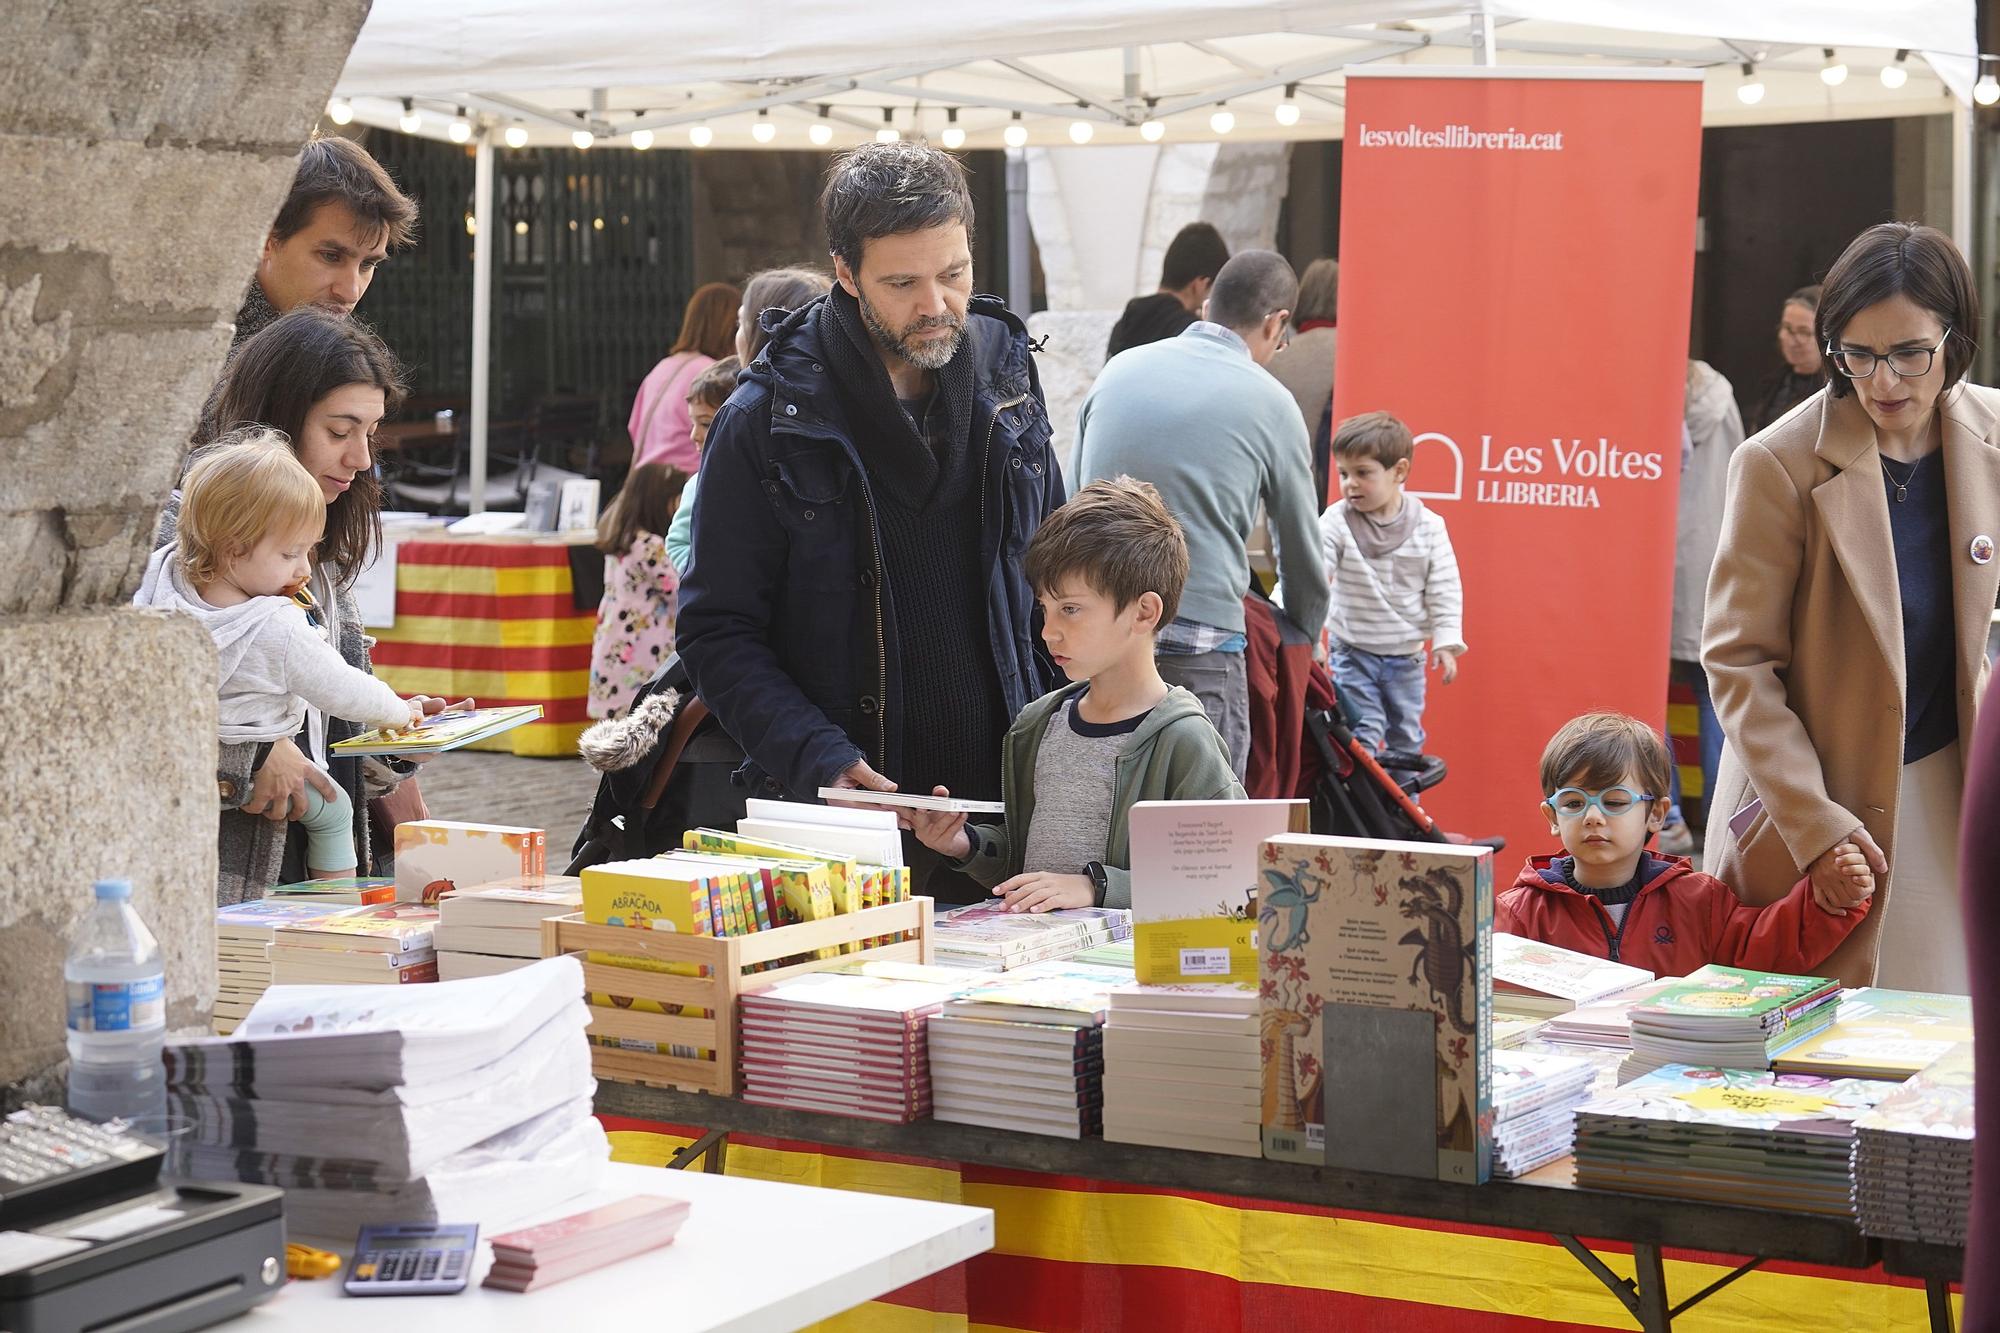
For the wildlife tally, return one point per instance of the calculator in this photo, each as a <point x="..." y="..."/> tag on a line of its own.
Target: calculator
<point x="50" y="1158"/>
<point x="415" y="1259"/>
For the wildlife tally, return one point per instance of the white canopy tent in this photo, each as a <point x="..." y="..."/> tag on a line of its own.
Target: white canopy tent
<point x="770" y="74"/>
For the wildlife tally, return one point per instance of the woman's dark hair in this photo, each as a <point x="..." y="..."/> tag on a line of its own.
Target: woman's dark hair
<point x="708" y="325"/>
<point x="646" y="503"/>
<point x="276" y="377"/>
<point x="779" y="289"/>
<point x="887" y="189"/>
<point x="1902" y="259"/>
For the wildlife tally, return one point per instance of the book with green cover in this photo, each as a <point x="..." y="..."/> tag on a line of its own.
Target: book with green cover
<point x="440" y="732"/>
<point x="1880" y="1033"/>
<point x="1732" y="1001"/>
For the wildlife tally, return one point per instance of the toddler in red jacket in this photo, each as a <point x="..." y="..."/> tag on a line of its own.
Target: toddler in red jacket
<point x="1605" y="781"/>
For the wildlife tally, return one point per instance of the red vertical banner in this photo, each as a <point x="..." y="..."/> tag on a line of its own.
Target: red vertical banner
<point x="1516" y="266"/>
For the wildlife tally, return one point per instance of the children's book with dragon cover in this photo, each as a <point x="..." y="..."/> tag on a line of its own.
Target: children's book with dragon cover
<point x="1397" y="925"/>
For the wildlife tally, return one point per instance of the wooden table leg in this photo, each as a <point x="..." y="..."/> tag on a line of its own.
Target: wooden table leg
<point x="1937" y="1293"/>
<point x="1649" y="1280"/>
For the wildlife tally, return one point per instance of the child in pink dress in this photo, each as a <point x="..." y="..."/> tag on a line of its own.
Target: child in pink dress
<point x="635" y="618"/>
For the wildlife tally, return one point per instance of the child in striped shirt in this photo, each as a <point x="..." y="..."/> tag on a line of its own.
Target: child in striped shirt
<point x="1394" y="582"/>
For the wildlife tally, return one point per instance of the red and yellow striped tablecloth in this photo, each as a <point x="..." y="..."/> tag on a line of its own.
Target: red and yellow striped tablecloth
<point x="1074" y="1255"/>
<point x="496" y="621"/>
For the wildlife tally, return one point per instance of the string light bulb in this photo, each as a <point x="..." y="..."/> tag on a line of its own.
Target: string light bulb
<point x="1751" y="91"/>
<point x="1834" y="72"/>
<point x="1152" y="131"/>
<point x="517" y="136"/>
<point x="763" y="130"/>
<point x="642" y="139"/>
<point x="821" y="130"/>
<point x="460" y="128"/>
<point x="1288" y="110"/>
<point x="1223" y="121"/>
<point x="954" y="133"/>
<point x="582" y="139"/>
<point x="1896" y="75"/>
<point x="1080" y="131"/>
<point x="888" y="133"/>
<point x="340" y="111"/>
<point x="410" y="121"/>
<point x="1016" y="134"/>
<point x="1987" y="91"/>
<point x="700" y="135"/>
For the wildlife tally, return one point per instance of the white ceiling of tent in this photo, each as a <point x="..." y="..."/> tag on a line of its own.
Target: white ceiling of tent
<point x="615" y="66"/>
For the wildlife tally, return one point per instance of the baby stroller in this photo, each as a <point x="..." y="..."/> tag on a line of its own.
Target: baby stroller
<point x="1303" y="745"/>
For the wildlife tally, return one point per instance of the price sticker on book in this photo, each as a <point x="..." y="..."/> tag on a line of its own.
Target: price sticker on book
<point x="1205" y="962"/>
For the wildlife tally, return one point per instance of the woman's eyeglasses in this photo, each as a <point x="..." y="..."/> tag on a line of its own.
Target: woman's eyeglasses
<point x="1908" y="362"/>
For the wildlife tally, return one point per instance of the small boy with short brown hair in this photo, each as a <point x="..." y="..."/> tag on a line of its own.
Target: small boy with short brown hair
<point x="1604" y="787"/>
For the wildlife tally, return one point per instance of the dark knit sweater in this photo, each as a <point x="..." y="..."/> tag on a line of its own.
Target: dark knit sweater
<point x="928" y="508"/>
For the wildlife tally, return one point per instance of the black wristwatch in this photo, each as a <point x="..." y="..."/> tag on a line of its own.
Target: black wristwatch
<point x="1094" y="871"/>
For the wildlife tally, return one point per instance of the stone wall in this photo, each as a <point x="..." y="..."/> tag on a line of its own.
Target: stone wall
<point x="160" y="140"/>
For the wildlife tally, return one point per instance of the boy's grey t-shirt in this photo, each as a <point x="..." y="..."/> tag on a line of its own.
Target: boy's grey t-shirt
<point x="1075" y="771"/>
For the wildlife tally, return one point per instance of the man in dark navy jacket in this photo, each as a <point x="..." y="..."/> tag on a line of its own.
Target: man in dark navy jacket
<point x="854" y="611"/>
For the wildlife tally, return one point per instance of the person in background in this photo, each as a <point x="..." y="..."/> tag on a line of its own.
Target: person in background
<point x="338" y="225"/>
<point x="778" y="291"/>
<point x="1848" y="611"/>
<point x="635" y="617"/>
<point x="1305" y="364"/>
<point x="1196" y="254"/>
<point x="1199" y="418"/>
<point x="855" y="612"/>
<point x="1604" y="776"/>
<point x="1713" y="428"/>
<point x="660" y="430"/>
<point x="1394" y="582"/>
<point x="706" y="396"/>
<point x="1804" y="371"/>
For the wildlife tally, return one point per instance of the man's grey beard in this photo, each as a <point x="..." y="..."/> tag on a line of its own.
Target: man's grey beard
<point x="924" y="354"/>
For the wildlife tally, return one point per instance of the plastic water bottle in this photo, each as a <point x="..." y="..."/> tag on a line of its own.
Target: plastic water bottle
<point x="117" y="1013"/>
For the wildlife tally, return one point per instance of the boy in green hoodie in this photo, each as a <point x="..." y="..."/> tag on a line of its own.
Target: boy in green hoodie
<point x="1108" y="568"/>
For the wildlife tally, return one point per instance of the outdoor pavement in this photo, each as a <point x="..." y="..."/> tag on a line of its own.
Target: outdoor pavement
<point x="549" y="794"/>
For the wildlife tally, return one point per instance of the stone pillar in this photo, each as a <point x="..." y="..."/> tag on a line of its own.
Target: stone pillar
<point x="147" y="148"/>
<point x="1103" y="218"/>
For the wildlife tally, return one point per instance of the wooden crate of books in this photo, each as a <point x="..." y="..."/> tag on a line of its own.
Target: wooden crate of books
<point x="727" y="968"/>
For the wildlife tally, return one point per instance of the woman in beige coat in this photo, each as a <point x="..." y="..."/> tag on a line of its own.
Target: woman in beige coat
<point x="1845" y="637"/>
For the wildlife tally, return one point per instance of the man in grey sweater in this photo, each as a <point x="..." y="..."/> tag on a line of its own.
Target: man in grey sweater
<point x="1200" y="418"/>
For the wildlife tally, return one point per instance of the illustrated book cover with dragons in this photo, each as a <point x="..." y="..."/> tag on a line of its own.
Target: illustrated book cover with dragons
<point x="1379" y="925"/>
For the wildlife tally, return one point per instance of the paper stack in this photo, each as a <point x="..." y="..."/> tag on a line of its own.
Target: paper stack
<point x="1181" y="1067"/>
<point x="385" y="944"/>
<point x="989" y="937"/>
<point x="1606" y="1023"/>
<point x="1728" y="1018"/>
<point x="554" y="1251"/>
<point x="1913" y="1156"/>
<point x="1879" y="1033"/>
<point x="1738" y="1136"/>
<point x="468" y="1099"/>
<point x="1536" y="980"/>
<point x="1535" y="1097"/>
<point x="243" y="935"/>
<point x="497" y="927"/>
<point x="849" y="1042"/>
<point x="1025" y="1053"/>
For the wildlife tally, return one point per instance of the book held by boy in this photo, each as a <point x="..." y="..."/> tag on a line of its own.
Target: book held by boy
<point x="1375" y="983"/>
<point x="448" y="730"/>
<point x="1194" y="875"/>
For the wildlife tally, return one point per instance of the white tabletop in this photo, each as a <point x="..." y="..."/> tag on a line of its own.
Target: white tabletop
<point x="752" y="1256"/>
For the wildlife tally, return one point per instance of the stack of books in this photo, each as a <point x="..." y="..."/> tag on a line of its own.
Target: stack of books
<point x="1606" y="1023"/>
<point x="555" y="1251"/>
<point x="384" y="944"/>
<point x="437" y="856"/>
<point x="1181" y="1067"/>
<point x="1026" y="1053"/>
<point x="468" y="1099"/>
<point x="1913" y="1156"/>
<point x="990" y="938"/>
<point x="848" y="1042"/>
<point x="1728" y="1018"/>
<point x="1536" y="980"/>
<point x="1737" y="1136"/>
<point x="243" y="935"/>
<point x="497" y="927"/>
<point x="1879" y="1033"/>
<point x="351" y="891"/>
<point x="1535" y="1097"/>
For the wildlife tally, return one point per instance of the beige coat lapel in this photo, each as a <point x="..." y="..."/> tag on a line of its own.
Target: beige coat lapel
<point x="1972" y="499"/>
<point x="1852" y="506"/>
